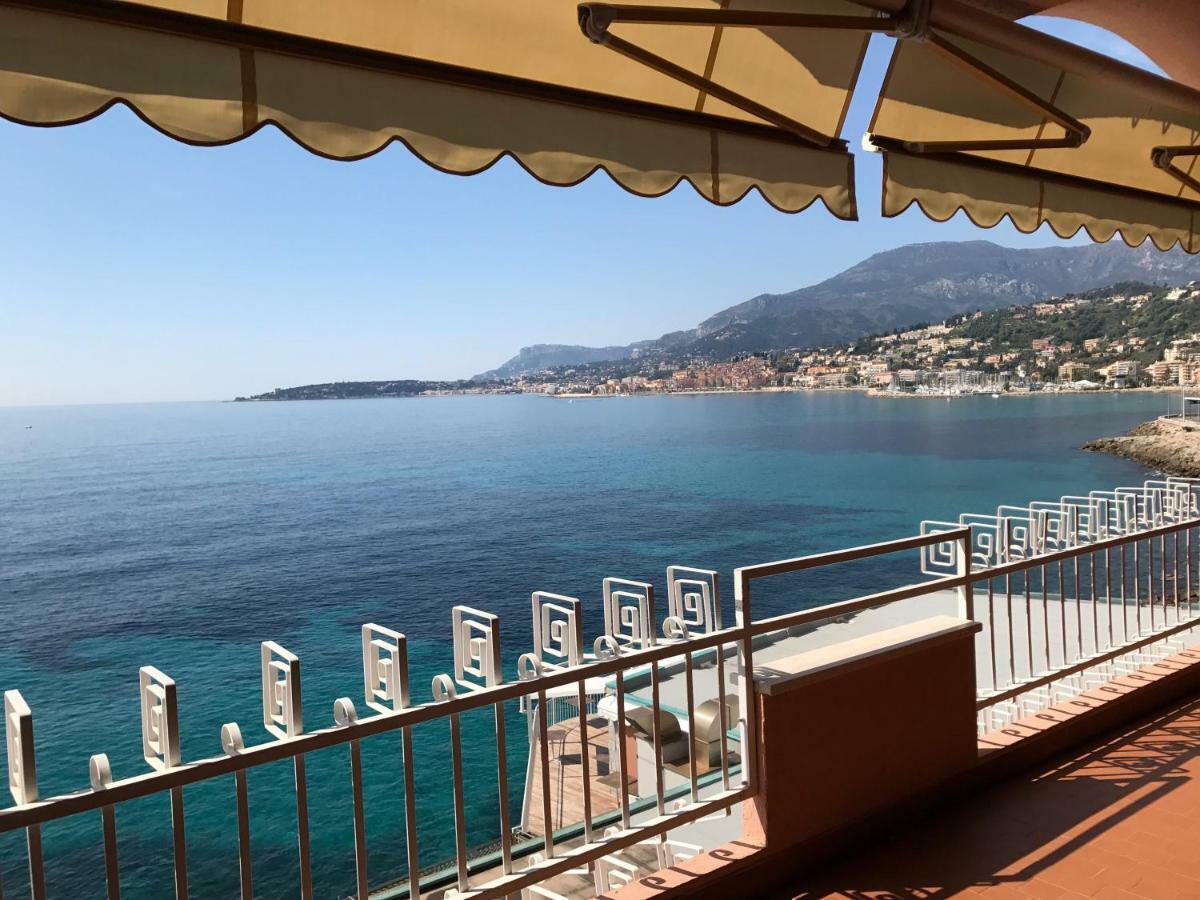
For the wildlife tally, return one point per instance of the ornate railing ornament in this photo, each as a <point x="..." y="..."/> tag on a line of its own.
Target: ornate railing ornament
<point x="1122" y="511"/>
<point x="629" y="612"/>
<point x="1091" y="517"/>
<point x="1061" y="523"/>
<point x="18" y="733"/>
<point x="443" y="688"/>
<point x="675" y="629"/>
<point x="940" y="558"/>
<point x="344" y="712"/>
<point x="99" y="772"/>
<point x="283" y="714"/>
<point x="606" y="647"/>
<point x="1017" y="533"/>
<point x="476" y="648"/>
<point x="160" y="719"/>
<point x="232" y="742"/>
<point x="557" y="630"/>
<point x="1027" y="529"/>
<point x="694" y="596"/>
<point x="385" y="669"/>
<point x="529" y="667"/>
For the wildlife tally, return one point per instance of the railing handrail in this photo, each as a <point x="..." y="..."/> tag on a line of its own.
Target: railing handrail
<point x="830" y="557"/>
<point x="858" y="604"/>
<point x="186" y="773"/>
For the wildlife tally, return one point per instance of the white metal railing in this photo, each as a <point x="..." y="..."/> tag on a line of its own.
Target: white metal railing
<point x="556" y="666"/>
<point x="1064" y="590"/>
<point x="1075" y="591"/>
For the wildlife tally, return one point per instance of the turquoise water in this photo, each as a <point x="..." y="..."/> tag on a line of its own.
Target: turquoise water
<point x="182" y="535"/>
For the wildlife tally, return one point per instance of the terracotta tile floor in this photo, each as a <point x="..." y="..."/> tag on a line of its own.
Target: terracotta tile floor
<point x="1121" y="820"/>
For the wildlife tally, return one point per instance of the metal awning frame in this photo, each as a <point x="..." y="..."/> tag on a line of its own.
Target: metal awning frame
<point x="911" y="22"/>
<point x="1164" y="158"/>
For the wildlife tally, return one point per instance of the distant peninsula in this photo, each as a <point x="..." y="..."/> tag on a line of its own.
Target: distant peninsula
<point x="364" y="390"/>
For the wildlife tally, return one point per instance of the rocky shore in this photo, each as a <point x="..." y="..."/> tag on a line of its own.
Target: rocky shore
<point x="1166" y="445"/>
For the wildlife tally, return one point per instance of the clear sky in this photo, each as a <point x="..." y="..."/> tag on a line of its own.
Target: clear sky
<point x="136" y="268"/>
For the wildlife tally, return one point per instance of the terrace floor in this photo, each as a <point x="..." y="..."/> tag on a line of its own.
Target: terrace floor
<point x="566" y="776"/>
<point x="1119" y="820"/>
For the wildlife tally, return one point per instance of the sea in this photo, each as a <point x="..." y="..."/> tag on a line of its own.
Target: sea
<point x="183" y="535"/>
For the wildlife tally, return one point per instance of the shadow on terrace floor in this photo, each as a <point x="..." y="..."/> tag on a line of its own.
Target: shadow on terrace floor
<point x="1119" y="820"/>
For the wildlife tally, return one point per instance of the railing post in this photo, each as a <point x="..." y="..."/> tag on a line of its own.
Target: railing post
<point x="283" y="717"/>
<point x="100" y="776"/>
<point x="22" y="780"/>
<point x="966" y="591"/>
<point x="160" y="747"/>
<point x="747" y="714"/>
<point x="233" y="744"/>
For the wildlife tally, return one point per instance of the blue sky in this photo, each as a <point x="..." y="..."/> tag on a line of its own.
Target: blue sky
<point x="136" y="268"/>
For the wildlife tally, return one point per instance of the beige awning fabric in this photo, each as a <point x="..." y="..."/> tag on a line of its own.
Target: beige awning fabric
<point x="1036" y="142"/>
<point x="1168" y="31"/>
<point x="461" y="83"/>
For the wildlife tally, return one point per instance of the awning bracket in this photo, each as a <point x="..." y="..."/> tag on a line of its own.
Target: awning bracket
<point x="1164" y="158"/>
<point x="596" y="20"/>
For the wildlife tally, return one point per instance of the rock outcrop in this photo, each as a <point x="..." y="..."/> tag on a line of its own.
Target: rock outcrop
<point x="1166" y="445"/>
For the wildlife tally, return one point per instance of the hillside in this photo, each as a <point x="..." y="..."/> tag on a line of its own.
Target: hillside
<point x="549" y="356"/>
<point x="894" y="289"/>
<point x="1131" y="323"/>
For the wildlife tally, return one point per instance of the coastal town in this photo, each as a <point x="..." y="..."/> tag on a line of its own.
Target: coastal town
<point x="1118" y="338"/>
<point x="1114" y="339"/>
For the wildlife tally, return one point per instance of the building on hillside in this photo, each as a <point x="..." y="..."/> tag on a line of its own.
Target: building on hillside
<point x="1121" y="373"/>
<point x="1073" y="371"/>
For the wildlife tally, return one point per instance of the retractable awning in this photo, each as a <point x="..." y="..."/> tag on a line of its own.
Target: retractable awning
<point x="462" y="83"/>
<point x="1064" y="138"/>
<point x="977" y="113"/>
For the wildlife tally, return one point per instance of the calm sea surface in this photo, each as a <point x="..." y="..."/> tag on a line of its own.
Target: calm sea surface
<point x="183" y="535"/>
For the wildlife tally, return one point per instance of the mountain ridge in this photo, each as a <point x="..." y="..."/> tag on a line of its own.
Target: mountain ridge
<point x="891" y="289"/>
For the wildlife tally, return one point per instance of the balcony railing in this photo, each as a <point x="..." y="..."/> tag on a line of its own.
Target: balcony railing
<point x="1074" y="592"/>
<point x="1069" y="593"/>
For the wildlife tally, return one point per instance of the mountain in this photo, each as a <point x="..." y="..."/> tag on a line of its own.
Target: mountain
<point x="894" y="289"/>
<point x="546" y="356"/>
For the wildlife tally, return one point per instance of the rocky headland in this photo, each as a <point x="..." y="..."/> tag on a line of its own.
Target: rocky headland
<point x="1170" y="445"/>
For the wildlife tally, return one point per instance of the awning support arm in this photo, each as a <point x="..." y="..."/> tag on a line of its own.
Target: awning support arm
<point x="595" y="19"/>
<point x="1164" y="158"/>
<point x="911" y="22"/>
<point x="1076" y="133"/>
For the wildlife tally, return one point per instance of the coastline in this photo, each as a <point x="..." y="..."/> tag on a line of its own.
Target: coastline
<point x="858" y="388"/>
<point x="1167" y="444"/>
<point x="869" y="392"/>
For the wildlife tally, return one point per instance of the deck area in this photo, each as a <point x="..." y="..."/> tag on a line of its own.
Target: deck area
<point x="566" y="775"/>
<point x="1118" y="820"/>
